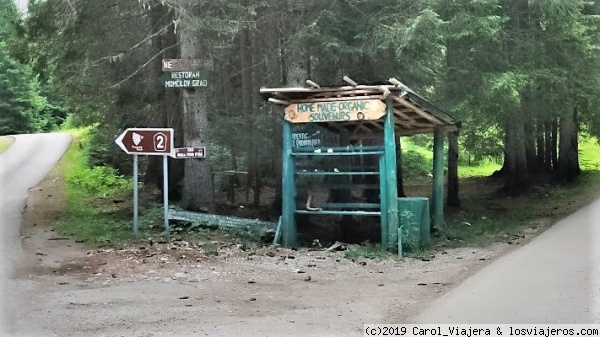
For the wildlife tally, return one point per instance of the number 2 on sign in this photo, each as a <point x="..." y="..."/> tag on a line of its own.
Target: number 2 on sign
<point x="159" y="142"/>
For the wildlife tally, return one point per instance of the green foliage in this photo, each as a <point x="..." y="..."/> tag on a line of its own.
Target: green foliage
<point x="9" y="21"/>
<point x="409" y="231"/>
<point x="366" y="251"/>
<point x="99" y="181"/>
<point x="4" y="144"/>
<point x="483" y="168"/>
<point x="21" y="106"/>
<point x="87" y="215"/>
<point x="414" y="163"/>
<point x="589" y="153"/>
<point x="24" y="103"/>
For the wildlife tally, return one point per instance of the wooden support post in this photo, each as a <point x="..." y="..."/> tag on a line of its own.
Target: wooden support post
<point x="383" y="200"/>
<point x="288" y="203"/>
<point x="438" y="178"/>
<point x="389" y="179"/>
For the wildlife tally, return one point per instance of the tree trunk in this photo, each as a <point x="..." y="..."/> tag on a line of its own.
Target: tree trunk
<point x="516" y="180"/>
<point x="540" y="147"/>
<point x="548" y="152"/>
<point x="507" y="159"/>
<point x="568" y="157"/>
<point x="530" y="154"/>
<point x="165" y="110"/>
<point x="197" y="188"/>
<point x="452" y="198"/>
<point x="554" y="145"/>
<point x="247" y="113"/>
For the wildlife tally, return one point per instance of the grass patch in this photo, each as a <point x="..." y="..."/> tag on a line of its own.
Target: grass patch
<point x="94" y="210"/>
<point x="98" y="209"/>
<point x="485" y="169"/>
<point x="5" y="143"/>
<point x="589" y="154"/>
<point x="366" y="251"/>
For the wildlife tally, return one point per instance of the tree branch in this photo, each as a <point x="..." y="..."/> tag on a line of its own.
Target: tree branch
<point x="143" y="66"/>
<point x="112" y="58"/>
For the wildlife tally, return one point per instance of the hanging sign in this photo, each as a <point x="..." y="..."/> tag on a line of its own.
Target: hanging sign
<point x="186" y="64"/>
<point x="146" y="141"/>
<point x="185" y="79"/>
<point x="335" y="111"/>
<point x="189" y="152"/>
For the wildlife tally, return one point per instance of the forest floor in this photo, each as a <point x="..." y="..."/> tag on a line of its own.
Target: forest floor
<point x="177" y="289"/>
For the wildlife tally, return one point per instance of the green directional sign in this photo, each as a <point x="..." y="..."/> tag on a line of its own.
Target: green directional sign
<point x="185" y="79"/>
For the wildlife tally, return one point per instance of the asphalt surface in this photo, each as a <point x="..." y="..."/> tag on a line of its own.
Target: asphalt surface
<point x="553" y="279"/>
<point x="22" y="166"/>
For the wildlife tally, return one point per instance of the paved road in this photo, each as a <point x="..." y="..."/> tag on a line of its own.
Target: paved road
<point x="22" y="166"/>
<point x="553" y="279"/>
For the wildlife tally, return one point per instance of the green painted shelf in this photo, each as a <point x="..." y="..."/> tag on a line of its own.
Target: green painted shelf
<point x="323" y="173"/>
<point x="364" y="153"/>
<point x="361" y="213"/>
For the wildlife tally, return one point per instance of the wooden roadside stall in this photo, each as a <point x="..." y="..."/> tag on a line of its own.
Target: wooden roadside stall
<point x="360" y="114"/>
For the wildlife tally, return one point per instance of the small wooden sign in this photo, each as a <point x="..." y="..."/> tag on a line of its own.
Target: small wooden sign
<point x="185" y="79"/>
<point x="335" y="111"/>
<point x="186" y="64"/>
<point x="189" y="152"/>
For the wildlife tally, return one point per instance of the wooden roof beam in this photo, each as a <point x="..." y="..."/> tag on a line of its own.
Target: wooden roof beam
<point x="402" y="113"/>
<point x="350" y="81"/>
<point x="377" y="126"/>
<point x="330" y="99"/>
<point x="410" y="132"/>
<point x="313" y="84"/>
<point x="278" y="101"/>
<point x="417" y="110"/>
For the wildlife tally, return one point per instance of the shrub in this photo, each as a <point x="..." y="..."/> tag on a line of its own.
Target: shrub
<point x="99" y="181"/>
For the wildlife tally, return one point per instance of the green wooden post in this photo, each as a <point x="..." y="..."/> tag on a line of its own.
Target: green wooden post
<point x="390" y="178"/>
<point x="383" y="200"/>
<point x="289" y="232"/>
<point x="438" y="178"/>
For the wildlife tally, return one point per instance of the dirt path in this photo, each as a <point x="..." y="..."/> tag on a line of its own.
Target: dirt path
<point x="552" y="280"/>
<point x="175" y="290"/>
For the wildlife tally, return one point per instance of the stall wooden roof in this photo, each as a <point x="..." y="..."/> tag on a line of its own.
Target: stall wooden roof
<point x="413" y="114"/>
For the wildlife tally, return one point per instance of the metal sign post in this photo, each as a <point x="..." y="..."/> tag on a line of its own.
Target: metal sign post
<point x="166" y="194"/>
<point x="135" y="195"/>
<point x="157" y="142"/>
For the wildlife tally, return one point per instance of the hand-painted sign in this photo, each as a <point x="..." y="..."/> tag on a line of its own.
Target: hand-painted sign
<point x="185" y="64"/>
<point x="335" y="111"/>
<point x="306" y="135"/>
<point x="189" y="152"/>
<point x="185" y="79"/>
<point x="146" y="141"/>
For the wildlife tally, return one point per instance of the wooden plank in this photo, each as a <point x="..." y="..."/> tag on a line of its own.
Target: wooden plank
<point x="335" y="111"/>
<point x="437" y="202"/>
<point x="289" y="230"/>
<point x="390" y="204"/>
<point x="410" y="132"/>
<point x="334" y="99"/>
<point x="417" y="110"/>
<point x="348" y="206"/>
<point x="378" y="88"/>
<point x="341" y="173"/>
<point x="359" y="213"/>
<point x="348" y="93"/>
<point x="403" y="113"/>
<point x="365" y="153"/>
<point x="377" y="126"/>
